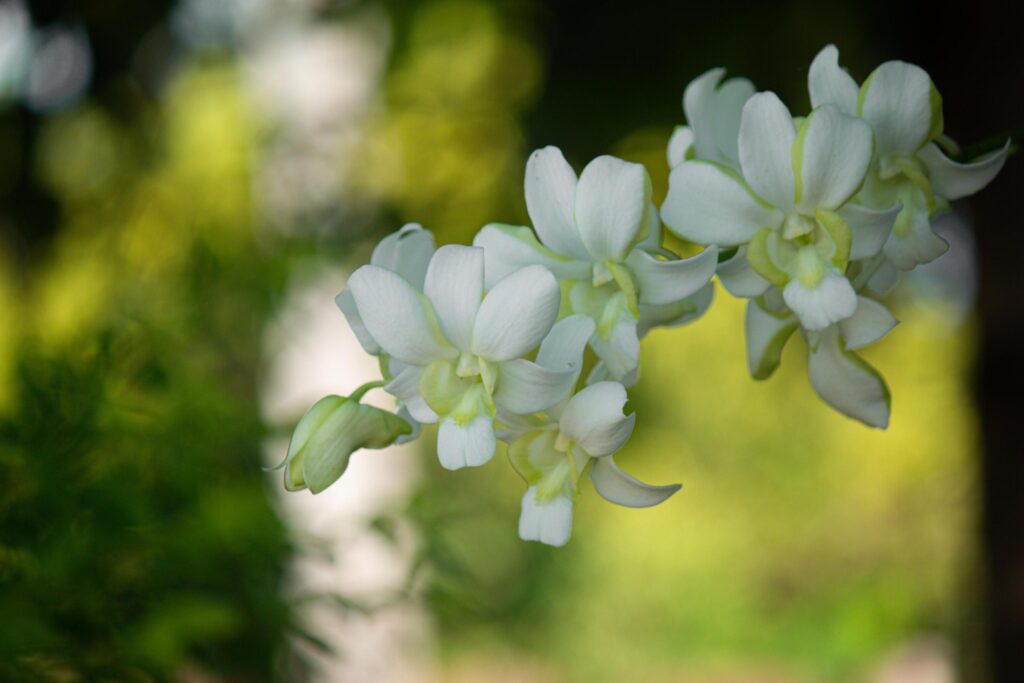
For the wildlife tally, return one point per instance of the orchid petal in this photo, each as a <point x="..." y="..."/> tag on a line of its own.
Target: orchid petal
<point x="739" y="278"/>
<point x="663" y="282"/>
<point x="832" y="154"/>
<point x="829" y="83"/>
<point x="830" y="301"/>
<point x="900" y="103"/>
<point x="620" y="350"/>
<point x="549" y="522"/>
<point x="508" y="248"/>
<point x="525" y="387"/>
<point x="466" y="445"/>
<point x="951" y="180"/>
<point x="678" y="145"/>
<point x="516" y="315"/>
<point x="767" y="334"/>
<point x="870" y="228"/>
<point x="765" y="146"/>
<point x="405" y="386"/>
<point x="406" y="251"/>
<point x="617" y="487"/>
<point x="675" y="313"/>
<point x="869" y="323"/>
<point x="847" y="383"/>
<point x="455" y="285"/>
<point x="593" y="418"/>
<point x="550" y="201"/>
<point x="346" y="303"/>
<point x="611" y="201"/>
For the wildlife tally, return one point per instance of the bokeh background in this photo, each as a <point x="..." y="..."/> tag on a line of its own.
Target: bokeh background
<point x="184" y="186"/>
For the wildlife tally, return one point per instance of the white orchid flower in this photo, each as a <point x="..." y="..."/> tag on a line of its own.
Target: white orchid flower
<point x="462" y="350"/>
<point x="552" y="451"/>
<point x="840" y="377"/>
<point x="904" y="109"/>
<point x="789" y="209"/>
<point x="712" y="111"/>
<point x="406" y="252"/>
<point x="600" y="235"/>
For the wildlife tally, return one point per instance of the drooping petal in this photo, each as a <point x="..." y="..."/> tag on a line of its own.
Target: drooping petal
<point x="407" y="252"/>
<point x="563" y="348"/>
<point x="619" y="350"/>
<point x="675" y="313"/>
<point x="900" y="103"/>
<point x="549" y="522"/>
<point x="399" y="318"/>
<point x="870" y="228"/>
<point x="516" y="314"/>
<point x="766" y="148"/>
<point x="678" y="145"/>
<point x="468" y="445"/>
<point x="951" y="180"/>
<point x="347" y="305"/>
<point x="507" y="248"/>
<point x="832" y="300"/>
<point x="455" y="285"/>
<point x="869" y="323"/>
<point x="662" y="281"/>
<point x="739" y="278"/>
<point x="832" y="154"/>
<point x="885" y="278"/>
<point x="767" y="334"/>
<point x="708" y="204"/>
<point x="617" y="487"/>
<point x="551" y="201"/>
<point x="525" y="387"/>
<point x="829" y="83"/>
<point x="917" y="243"/>
<point x="847" y="383"/>
<point x="611" y="201"/>
<point x="593" y="419"/>
<point x="406" y="388"/>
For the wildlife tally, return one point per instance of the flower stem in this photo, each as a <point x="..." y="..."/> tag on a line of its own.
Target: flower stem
<point x="971" y="152"/>
<point x="358" y="394"/>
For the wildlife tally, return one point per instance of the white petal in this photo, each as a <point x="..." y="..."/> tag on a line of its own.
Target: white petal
<point x="617" y="487"/>
<point x="833" y="151"/>
<point x="611" y="201"/>
<point x="728" y="110"/>
<point x="397" y="316"/>
<point x="767" y="335"/>
<point x="713" y="113"/>
<point x="466" y="445"/>
<point x="404" y="413"/>
<point x="739" y="278"/>
<point x="525" y="387"/>
<point x="405" y="386"/>
<point x="455" y="285"/>
<point x="708" y="204"/>
<point x="869" y="323"/>
<point x="678" y="145"/>
<point x="563" y="348"/>
<point x="766" y="148"/>
<point x="347" y="305"/>
<point x="951" y="180"/>
<point x="508" y="248"/>
<point x="870" y="228"/>
<point x="593" y="419"/>
<point x="406" y="251"/>
<point x="829" y="83"/>
<point x="620" y="351"/>
<point x="832" y="300"/>
<point x="919" y="245"/>
<point x="516" y="315"/>
<point x="897" y="101"/>
<point x="550" y="201"/>
<point x="885" y="278"/>
<point x="663" y="282"/>
<point x="549" y="522"/>
<point x="847" y="383"/>
<point x="675" y="313"/>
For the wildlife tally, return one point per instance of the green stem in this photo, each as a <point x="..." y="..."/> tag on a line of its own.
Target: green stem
<point x="361" y="391"/>
<point x="971" y="152"/>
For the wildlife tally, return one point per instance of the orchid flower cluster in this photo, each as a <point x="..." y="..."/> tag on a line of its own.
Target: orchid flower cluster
<point x="810" y="218"/>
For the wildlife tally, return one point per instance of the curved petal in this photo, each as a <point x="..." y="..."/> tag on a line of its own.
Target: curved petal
<point x="766" y="148"/>
<point x="713" y="113"/>
<point x="885" y="278"/>
<point x="767" y="335"/>
<point x="563" y="348"/>
<point x="739" y="278"/>
<point x="832" y="300"/>
<point x="611" y="201"/>
<point x="870" y="228"/>
<point x="832" y="154"/>
<point x="507" y="248"/>
<point x="468" y="445"/>
<point x="829" y="83"/>
<point x="398" y="317"/>
<point x="709" y="204"/>
<point x="406" y="388"/>
<point x="620" y="350"/>
<point x="550" y="201"/>
<point x="663" y="282"/>
<point x="899" y="102"/>
<point x="617" y="487"/>
<point x="406" y="251"/>
<point x="525" y="387"/>
<point x="417" y="427"/>
<point x="951" y="180"/>
<point x="455" y="285"/>
<point x="869" y="323"/>
<point x="346" y="303"/>
<point x="593" y="418"/>
<point x="847" y="383"/>
<point x="549" y="522"/>
<point x="918" y="244"/>
<point x="516" y="315"/>
<point x="678" y="145"/>
<point x="675" y="313"/>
